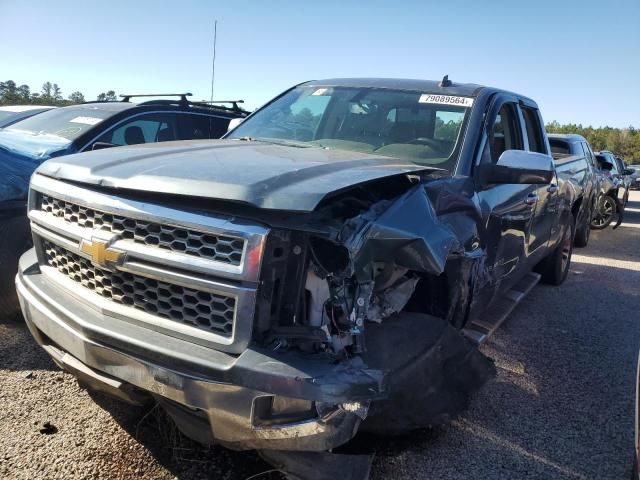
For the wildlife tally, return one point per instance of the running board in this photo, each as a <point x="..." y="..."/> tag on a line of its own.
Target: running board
<point x="482" y="328"/>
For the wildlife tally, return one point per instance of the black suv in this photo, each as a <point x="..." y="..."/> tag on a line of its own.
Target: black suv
<point x="79" y="128"/>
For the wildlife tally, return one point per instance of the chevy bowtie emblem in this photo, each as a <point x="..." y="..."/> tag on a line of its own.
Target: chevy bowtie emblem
<point x="102" y="255"/>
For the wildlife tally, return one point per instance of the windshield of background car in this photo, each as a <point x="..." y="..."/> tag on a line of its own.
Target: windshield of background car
<point x="5" y="115"/>
<point x="51" y="132"/>
<point x="67" y="123"/>
<point x="415" y="126"/>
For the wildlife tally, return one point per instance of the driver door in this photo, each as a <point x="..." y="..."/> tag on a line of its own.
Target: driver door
<point x="507" y="209"/>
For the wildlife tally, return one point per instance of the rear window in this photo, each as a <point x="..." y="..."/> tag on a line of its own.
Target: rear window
<point x="559" y="146"/>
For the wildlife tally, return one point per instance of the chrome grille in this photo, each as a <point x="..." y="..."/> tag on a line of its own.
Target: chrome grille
<point x="194" y="276"/>
<point x="201" y="309"/>
<point x="216" y="247"/>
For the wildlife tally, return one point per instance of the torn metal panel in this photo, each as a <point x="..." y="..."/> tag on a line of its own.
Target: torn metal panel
<point x="431" y="377"/>
<point x="406" y="233"/>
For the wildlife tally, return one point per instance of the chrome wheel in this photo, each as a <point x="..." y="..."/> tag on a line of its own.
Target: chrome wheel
<point x="605" y="213"/>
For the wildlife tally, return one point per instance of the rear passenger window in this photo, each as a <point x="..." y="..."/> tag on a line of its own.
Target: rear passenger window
<point x="534" y="130"/>
<point x="505" y="134"/>
<point x="193" y="127"/>
<point x="219" y="126"/>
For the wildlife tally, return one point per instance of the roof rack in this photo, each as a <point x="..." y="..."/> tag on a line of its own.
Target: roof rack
<point x="96" y="101"/>
<point x="234" y="103"/>
<point x="183" y="96"/>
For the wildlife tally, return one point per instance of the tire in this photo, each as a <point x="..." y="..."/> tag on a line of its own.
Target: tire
<point x="583" y="232"/>
<point x="605" y="212"/>
<point x="555" y="268"/>
<point x="14" y="241"/>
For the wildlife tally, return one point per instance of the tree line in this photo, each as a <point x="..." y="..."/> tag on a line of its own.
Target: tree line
<point x="622" y="141"/>
<point x="50" y="94"/>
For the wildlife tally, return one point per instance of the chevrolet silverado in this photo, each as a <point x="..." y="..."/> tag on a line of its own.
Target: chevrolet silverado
<point x="328" y="267"/>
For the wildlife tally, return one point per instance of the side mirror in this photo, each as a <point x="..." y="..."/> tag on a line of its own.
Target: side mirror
<point x="101" y="145"/>
<point x="628" y="171"/>
<point x="518" y="166"/>
<point x="234" y="123"/>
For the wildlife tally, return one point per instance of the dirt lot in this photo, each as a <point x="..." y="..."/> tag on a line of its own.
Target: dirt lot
<point x="560" y="407"/>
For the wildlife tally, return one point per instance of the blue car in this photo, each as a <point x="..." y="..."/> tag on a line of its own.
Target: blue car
<point x="24" y="145"/>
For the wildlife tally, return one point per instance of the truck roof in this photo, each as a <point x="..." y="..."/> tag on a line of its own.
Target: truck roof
<point x="569" y="137"/>
<point x="465" y="89"/>
<point x="428" y="86"/>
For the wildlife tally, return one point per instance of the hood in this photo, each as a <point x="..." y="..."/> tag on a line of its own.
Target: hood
<point x="260" y="174"/>
<point x="31" y="145"/>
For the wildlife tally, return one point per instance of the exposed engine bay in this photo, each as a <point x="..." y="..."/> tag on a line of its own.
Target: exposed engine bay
<point x="386" y="291"/>
<point x="366" y="255"/>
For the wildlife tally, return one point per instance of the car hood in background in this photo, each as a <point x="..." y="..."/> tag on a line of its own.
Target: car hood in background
<point x="31" y="145"/>
<point x="261" y="174"/>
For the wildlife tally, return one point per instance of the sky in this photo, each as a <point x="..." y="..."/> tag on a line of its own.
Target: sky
<point x="580" y="60"/>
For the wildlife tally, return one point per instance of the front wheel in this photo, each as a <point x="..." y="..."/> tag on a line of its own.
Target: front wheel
<point x="604" y="214"/>
<point x="555" y="268"/>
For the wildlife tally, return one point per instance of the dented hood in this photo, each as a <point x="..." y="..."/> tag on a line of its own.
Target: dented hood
<point x="261" y="174"/>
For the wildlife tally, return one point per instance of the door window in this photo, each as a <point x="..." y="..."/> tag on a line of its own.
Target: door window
<point x="505" y="134"/>
<point x="589" y="154"/>
<point x="534" y="130"/>
<point x="153" y="127"/>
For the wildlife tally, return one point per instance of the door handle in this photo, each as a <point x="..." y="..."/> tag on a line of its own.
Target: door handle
<point x="553" y="188"/>
<point x="531" y="199"/>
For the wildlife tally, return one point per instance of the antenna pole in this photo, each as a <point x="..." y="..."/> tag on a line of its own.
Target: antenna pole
<point x="213" y="61"/>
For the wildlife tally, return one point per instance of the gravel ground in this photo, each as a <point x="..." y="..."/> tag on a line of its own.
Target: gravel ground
<point x="560" y="407"/>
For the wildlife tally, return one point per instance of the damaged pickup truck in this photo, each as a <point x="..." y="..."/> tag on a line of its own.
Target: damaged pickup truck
<point x="326" y="268"/>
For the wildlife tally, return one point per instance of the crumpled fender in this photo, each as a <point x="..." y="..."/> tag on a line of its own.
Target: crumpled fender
<point x="418" y="231"/>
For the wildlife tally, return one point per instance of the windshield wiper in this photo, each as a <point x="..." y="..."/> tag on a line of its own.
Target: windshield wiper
<point x="277" y="141"/>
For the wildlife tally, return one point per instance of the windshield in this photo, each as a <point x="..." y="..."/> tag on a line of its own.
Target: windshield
<point x="395" y="123"/>
<point x="4" y="115"/>
<point x="42" y="135"/>
<point x="67" y="123"/>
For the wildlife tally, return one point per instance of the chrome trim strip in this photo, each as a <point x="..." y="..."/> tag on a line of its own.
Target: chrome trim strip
<point x="143" y="269"/>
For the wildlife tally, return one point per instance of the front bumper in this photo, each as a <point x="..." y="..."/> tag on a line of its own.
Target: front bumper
<point x="212" y="395"/>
